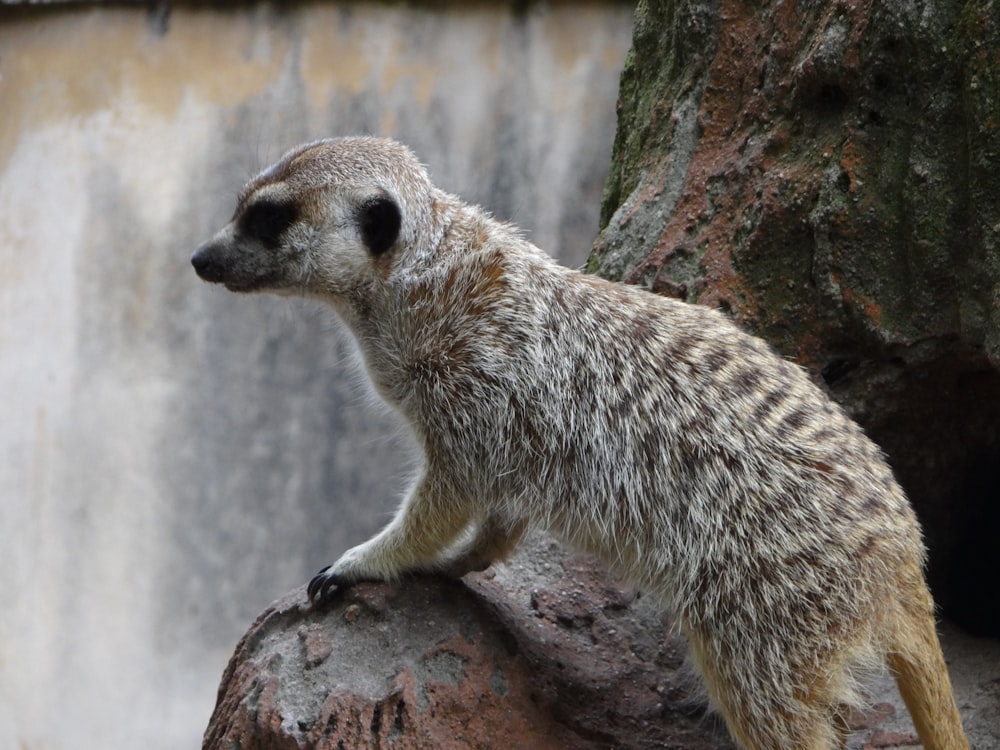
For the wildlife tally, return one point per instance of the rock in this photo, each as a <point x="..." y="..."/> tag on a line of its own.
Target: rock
<point x="543" y="652"/>
<point x="827" y="173"/>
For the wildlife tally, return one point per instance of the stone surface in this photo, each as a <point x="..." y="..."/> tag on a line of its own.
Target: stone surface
<point x="544" y="651"/>
<point x="826" y="172"/>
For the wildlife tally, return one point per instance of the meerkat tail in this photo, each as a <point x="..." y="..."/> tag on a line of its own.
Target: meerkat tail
<point x="918" y="665"/>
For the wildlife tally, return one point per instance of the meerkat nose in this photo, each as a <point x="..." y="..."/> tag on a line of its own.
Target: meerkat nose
<point x="206" y="263"/>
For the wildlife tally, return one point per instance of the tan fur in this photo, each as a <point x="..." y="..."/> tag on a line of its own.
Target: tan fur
<point x="680" y="451"/>
<point x="918" y="665"/>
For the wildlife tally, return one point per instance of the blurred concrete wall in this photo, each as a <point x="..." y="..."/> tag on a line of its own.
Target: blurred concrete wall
<point x="174" y="457"/>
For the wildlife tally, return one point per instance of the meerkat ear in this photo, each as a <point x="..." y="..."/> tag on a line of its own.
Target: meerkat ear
<point x="379" y="218"/>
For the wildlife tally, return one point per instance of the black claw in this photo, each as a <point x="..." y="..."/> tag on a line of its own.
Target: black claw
<point x="325" y="585"/>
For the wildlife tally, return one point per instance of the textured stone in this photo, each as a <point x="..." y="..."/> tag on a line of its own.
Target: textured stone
<point x="545" y="652"/>
<point x="823" y="172"/>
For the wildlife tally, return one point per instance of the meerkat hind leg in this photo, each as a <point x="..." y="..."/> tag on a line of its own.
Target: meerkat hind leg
<point x="757" y="718"/>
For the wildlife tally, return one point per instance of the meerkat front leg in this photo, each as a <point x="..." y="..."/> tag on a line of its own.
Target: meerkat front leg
<point x="428" y="522"/>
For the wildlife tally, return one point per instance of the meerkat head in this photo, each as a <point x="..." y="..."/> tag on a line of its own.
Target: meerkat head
<point x="326" y="219"/>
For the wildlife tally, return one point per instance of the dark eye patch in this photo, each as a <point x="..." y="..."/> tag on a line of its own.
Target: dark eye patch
<point x="267" y="220"/>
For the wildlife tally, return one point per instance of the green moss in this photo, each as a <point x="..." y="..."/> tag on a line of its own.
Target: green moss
<point x="672" y="43"/>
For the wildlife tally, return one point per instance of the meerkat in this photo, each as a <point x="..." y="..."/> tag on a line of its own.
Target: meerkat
<point x="651" y="433"/>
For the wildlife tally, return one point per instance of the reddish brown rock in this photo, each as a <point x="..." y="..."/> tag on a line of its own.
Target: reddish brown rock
<point x="827" y="173"/>
<point x="544" y="653"/>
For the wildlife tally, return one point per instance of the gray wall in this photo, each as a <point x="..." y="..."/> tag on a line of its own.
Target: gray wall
<point x="174" y="457"/>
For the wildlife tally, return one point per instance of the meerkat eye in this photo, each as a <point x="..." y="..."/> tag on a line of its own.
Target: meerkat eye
<point x="379" y="219"/>
<point x="267" y="220"/>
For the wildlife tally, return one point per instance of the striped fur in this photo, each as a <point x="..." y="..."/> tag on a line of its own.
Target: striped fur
<point x="656" y="435"/>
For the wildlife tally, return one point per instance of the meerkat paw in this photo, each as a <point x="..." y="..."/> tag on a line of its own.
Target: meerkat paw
<point x="493" y="542"/>
<point x="337" y="578"/>
<point x="463" y="564"/>
<point x="366" y="562"/>
<point x="327" y="584"/>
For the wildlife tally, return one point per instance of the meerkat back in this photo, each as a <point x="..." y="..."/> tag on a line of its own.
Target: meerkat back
<point x="681" y="451"/>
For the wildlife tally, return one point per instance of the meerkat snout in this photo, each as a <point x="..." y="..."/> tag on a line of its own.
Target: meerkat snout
<point x="253" y="251"/>
<point x="211" y="263"/>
